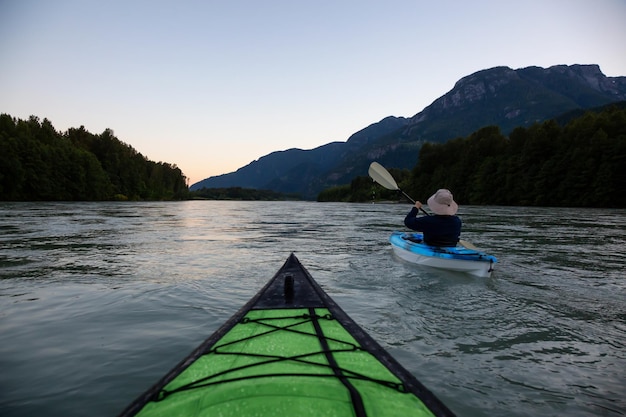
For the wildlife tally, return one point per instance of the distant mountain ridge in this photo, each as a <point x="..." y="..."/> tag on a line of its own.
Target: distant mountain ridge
<point x="498" y="96"/>
<point x="510" y="98"/>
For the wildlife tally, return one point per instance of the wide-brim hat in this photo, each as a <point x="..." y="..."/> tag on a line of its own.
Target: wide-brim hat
<point x="442" y="203"/>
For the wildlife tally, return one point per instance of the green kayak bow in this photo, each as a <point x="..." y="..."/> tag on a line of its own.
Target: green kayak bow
<point x="290" y="351"/>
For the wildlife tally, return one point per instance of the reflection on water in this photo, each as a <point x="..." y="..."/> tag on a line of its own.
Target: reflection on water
<point x="98" y="300"/>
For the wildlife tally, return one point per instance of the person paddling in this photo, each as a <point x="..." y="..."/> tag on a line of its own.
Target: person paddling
<point x="442" y="229"/>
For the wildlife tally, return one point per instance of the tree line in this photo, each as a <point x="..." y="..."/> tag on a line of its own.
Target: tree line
<point x="580" y="164"/>
<point x="241" y="194"/>
<point x="363" y="189"/>
<point x="37" y="163"/>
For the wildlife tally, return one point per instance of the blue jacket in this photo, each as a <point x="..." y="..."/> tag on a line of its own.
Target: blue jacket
<point x="438" y="230"/>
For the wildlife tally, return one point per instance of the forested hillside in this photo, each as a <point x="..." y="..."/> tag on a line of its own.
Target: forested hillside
<point x="580" y="164"/>
<point x="240" y="194"/>
<point x="37" y="163"/>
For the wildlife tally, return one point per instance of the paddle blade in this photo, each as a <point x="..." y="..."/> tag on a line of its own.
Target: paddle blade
<point x="467" y="245"/>
<point x="382" y="176"/>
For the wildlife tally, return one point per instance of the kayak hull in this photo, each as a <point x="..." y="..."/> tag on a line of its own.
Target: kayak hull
<point x="291" y="350"/>
<point x="410" y="247"/>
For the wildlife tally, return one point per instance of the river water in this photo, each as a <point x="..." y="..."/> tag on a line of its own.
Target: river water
<point x="99" y="300"/>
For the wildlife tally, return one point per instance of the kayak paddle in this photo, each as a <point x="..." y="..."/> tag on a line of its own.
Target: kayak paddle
<point x="379" y="174"/>
<point x="384" y="178"/>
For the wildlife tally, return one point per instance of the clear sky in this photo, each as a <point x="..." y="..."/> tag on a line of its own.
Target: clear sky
<point x="212" y="85"/>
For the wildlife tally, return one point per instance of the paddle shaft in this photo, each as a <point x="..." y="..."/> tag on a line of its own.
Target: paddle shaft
<point x="413" y="201"/>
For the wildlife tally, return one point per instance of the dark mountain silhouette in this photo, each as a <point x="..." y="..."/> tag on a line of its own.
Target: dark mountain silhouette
<point x="498" y="96"/>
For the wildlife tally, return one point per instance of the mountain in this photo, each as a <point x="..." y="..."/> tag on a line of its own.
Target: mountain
<point x="510" y="98"/>
<point x="304" y="172"/>
<point x="498" y="96"/>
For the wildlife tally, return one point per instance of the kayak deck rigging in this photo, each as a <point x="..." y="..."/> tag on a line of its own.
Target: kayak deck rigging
<point x="264" y="359"/>
<point x="291" y="350"/>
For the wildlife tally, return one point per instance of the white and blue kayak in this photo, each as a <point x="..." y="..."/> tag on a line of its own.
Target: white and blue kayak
<point x="411" y="248"/>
